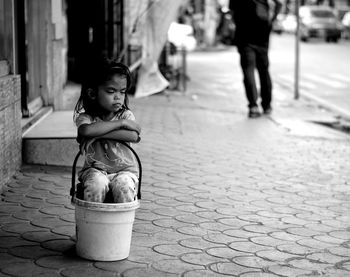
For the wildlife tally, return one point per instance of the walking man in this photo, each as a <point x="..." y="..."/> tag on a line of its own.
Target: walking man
<point x="254" y="21"/>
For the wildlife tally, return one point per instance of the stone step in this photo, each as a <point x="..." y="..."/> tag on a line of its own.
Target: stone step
<point x="51" y="141"/>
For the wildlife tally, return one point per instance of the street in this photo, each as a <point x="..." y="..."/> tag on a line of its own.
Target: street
<point x="324" y="68"/>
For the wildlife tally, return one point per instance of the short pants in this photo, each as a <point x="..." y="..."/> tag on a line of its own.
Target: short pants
<point x="96" y="184"/>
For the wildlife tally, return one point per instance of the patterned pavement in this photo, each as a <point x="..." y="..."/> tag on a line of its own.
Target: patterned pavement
<point x="222" y="195"/>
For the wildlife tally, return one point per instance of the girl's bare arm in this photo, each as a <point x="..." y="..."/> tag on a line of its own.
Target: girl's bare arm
<point x="98" y="129"/>
<point x="122" y="135"/>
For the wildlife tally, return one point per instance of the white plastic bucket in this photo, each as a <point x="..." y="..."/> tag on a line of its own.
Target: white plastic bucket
<point x="103" y="230"/>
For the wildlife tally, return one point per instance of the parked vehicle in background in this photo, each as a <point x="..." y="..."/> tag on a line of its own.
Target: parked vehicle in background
<point x="319" y="22"/>
<point x="289" y="23"/>
<point x="346" y="24"/>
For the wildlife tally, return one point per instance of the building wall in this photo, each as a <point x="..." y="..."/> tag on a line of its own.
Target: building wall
<point x="10" y="127"/>
<point x="10" y="97"/>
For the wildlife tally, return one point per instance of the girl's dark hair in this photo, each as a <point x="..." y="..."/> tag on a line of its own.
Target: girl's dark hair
<point x="100" y="72"/>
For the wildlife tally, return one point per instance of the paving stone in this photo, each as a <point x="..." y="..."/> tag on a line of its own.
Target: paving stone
<point x="346" y="265"/>
<point x="258" y="274"/>
<point x="217" y="237"/>
<point x="87" y="272"/>
<point x="165" y="211"/>
<point x="319" y="227"/>
<point x="275" y="255"/>
<point x="267" y="241"/>
<point x="257" y="228"/>
<point x="340" y="251"/>
<point x="59" y="245"/>
<point x="119" y="266"/>
<point x="294" y="220"/>
<point x="248" y="246"/>
<point x="286" y="236"/>
<point x="270" y="214"/>
<point x="296" y="249"/>
<point x="326" y="258"/>
<point x="48" y="222"/>
<point x="21" y="227"/>
<point x="312" y="243"/>
<point x="28" y="268"/>
<point x="242" y="234"/>
<point x="144" y="255"/>
<point x="54" y="210"/>
<point x="30" y="252"/>
<point x="41" y="236"/>
<point x="337" y="224"/>
<point x="202" y="273"/>
<point x="301" y="231"/>
<point x="145" y="227"/>
<point x="282" y="270"/>
<point x="329" y="239"/>
<point x="174" y="266"/>
<point x="174" y="250"/>
<point x="7" y="218"/>
<point x="225" y="252"/>
<point x="189" y="208"/>
<point x="341" y="234"/>
<point x="27" y="214"/>
<point x="233" y="222"/>
<point x="62" y="262"/>
<point x="253" y="262"/>
<point x="214" y="226"/>
<point x="333" y="272"/>
<point x="231" y="268"/>
<point x="57" y="200"/>
<point x="311" y="265"/>
<point x="200" y="258"/>
<point x="8" y="260"/>
<point x="142" y="272"/>
<point x="311" y="217"/>
<point x="190" y="218"/>
<point x="251" y="218"/>
<point x="197" y="243"/>
<point x="65" y="230"/>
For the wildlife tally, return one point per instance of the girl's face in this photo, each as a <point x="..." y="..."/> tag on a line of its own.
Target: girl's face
<point x="111" y="94"/>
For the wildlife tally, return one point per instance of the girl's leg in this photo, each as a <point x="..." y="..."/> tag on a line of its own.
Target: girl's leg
<point x="124" y="187"/>
<point x="95" y="183"/>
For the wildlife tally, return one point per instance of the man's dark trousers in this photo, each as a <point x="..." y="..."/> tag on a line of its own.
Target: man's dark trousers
<point x="252" y="57"/>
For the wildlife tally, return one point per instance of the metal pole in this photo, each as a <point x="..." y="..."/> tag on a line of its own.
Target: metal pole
<point x="297" y="54"/>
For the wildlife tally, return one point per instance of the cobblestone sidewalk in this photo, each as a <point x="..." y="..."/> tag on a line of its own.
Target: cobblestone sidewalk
<point x="222" y="196"/>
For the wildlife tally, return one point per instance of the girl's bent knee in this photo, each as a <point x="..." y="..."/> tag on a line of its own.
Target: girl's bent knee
<point x="124" y="187"/>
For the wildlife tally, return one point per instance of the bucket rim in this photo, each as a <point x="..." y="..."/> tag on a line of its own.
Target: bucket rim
<point x="111" y="207"/>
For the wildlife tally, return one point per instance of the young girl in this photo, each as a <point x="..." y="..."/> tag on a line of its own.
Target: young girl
<point x="102" y="116"/>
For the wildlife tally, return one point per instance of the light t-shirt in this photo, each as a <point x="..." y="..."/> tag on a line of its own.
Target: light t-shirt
<point x="105" y="154"/>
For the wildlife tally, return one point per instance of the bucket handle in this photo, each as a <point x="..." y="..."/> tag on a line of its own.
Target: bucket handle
<point x="72" y="190"/>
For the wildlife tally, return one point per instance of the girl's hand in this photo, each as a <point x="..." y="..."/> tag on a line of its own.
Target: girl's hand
<point x="131" y="125"/>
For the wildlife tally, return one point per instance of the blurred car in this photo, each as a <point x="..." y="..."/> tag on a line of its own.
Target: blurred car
<point x="289" y="23"/>
<point x="319" y="22"/>
<point x="346" y="24"/>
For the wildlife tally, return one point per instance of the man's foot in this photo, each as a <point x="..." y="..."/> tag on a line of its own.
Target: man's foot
<point x="254" y="112"/>
<point x="268" y="111"/>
